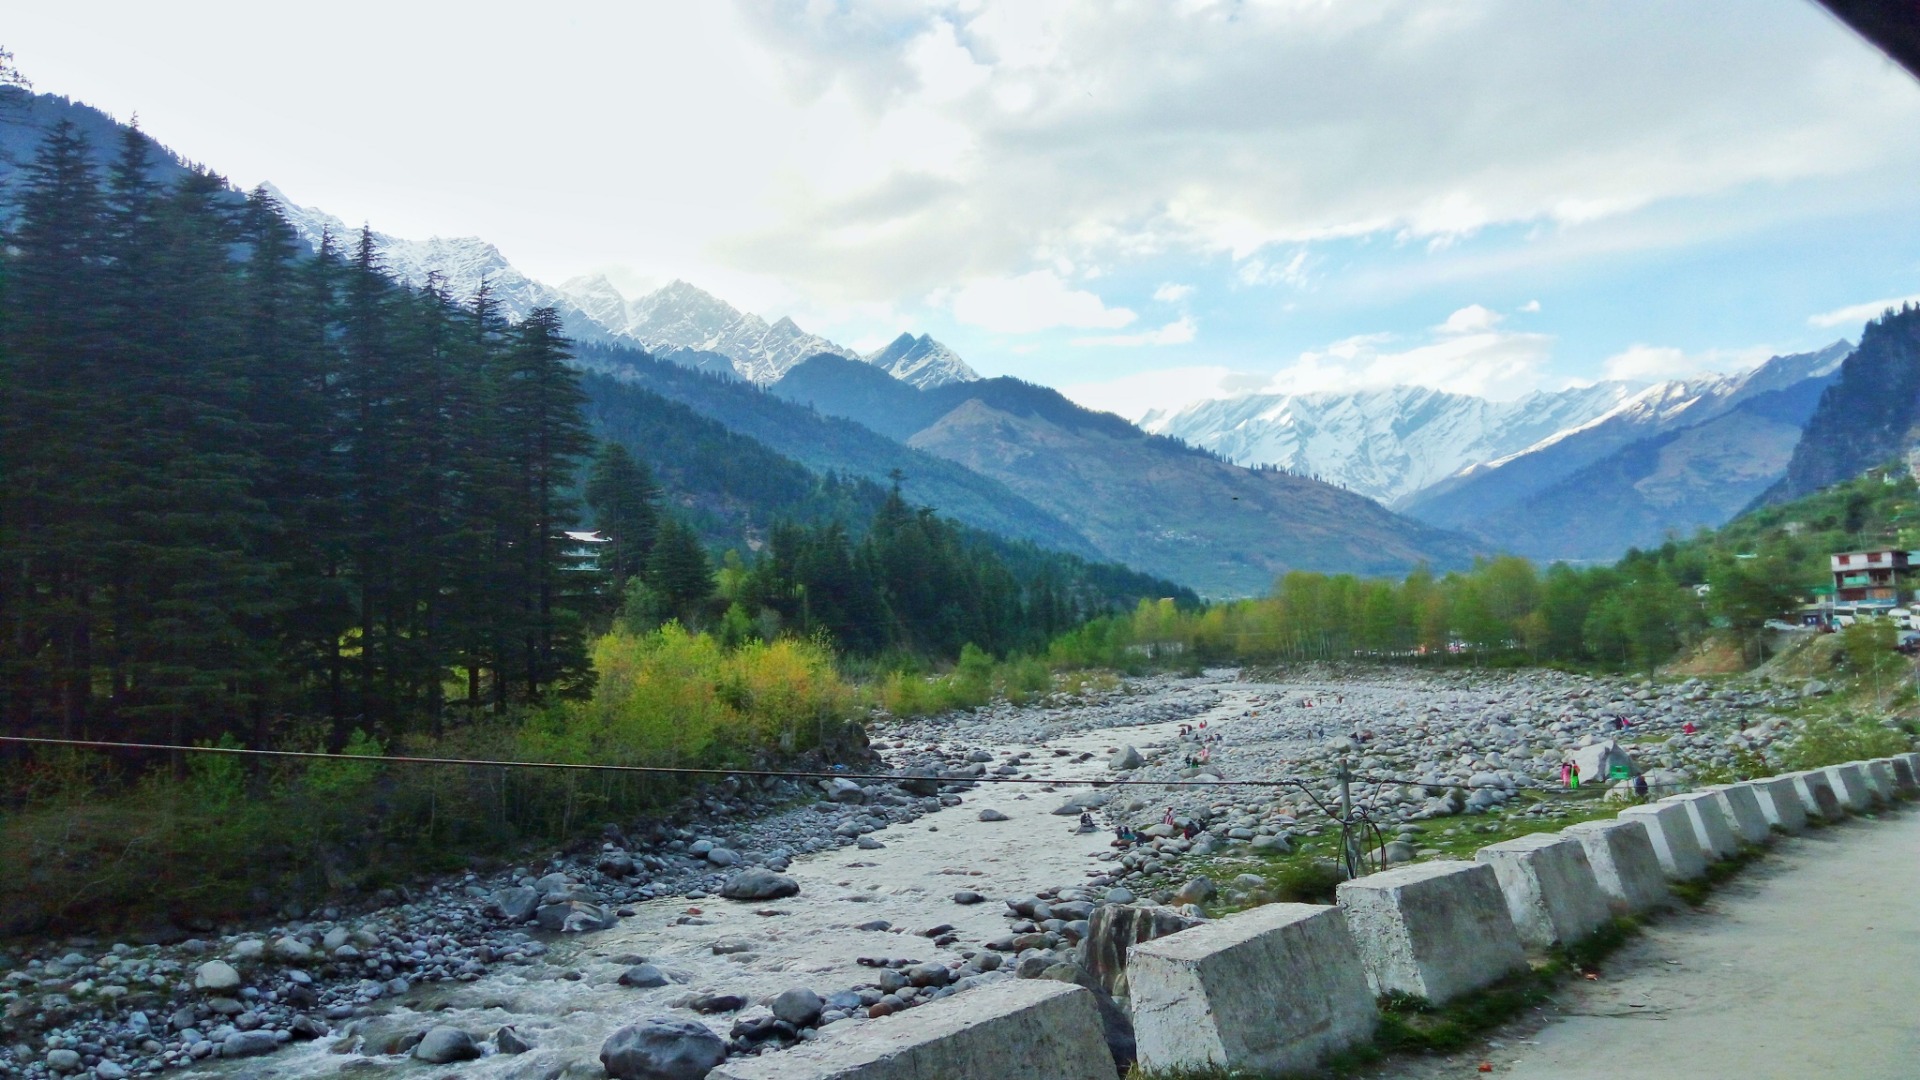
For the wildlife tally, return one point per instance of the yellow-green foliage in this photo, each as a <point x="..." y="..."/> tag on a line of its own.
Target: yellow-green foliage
<point x="79" y="845"/>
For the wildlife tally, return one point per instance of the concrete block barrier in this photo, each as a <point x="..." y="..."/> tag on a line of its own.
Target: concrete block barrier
<point x="1781" y="804"/>
<point x="1624" y="865"/>
<point x="1275" y="989"/>
<point x="1011" y="1030"/>
<point x="1740" y="805"/>
<point x="1550" y="888"/>
<point x="1817" y="795"/>
<point x="1710" y="826"/>
<point x="1913" y="765"/>
<point x="1905" y="784"/>
<point x="1879" y="773"/>
<point x="1674" y="843"/>
<point x="1434" y="930"/>
<point x="1849" y="783"/>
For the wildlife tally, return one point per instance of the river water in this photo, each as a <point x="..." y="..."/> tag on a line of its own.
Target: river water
<point x="567" y="1003"/>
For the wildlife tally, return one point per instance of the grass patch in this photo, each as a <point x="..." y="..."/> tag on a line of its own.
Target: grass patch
<point x="1696" y="892"/>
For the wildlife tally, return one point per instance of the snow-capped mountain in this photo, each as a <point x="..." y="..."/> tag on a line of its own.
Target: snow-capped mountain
<point x="462" y="264"/>
<point x="922" y="362"/>
<point x="681" y="316"/>
<point x="1673" y="457"/>
<point x="676" y="321"/>
<point x="1385" y="444"/>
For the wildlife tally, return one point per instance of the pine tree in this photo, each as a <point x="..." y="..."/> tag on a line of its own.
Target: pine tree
<point x="624" y="497"/>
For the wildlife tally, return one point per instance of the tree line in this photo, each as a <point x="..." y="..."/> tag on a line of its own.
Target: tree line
<point x="905" y="580"/>
<point x="245" y="483"/>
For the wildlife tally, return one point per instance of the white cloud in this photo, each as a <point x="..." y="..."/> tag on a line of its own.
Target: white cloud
<point x="1492" y="364"/>
<point x="1294" y="271"/>
<point x="1472" y="319"/>
<point x="1657" y="363"/>
<point x="1530" y="306"/>
<point x="1859" y="314"/>
<point x="1164" y="391"/>
<point x="1171" y="293"/>
<point x="1178" y="332"/>
<point x="1033" y="302"/>
<point x="1252" y="130"/>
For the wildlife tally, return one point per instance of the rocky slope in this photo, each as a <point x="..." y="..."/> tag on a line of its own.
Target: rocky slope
<point x="1867" y="417"/>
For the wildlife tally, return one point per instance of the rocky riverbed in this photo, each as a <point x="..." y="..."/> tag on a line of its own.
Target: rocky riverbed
<point x="768" y="911"/>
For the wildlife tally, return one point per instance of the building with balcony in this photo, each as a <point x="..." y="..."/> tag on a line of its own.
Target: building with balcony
<point x="1873" y="578"/>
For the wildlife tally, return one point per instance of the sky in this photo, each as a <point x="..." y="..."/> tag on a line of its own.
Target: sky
<point x="1141" y="203"/>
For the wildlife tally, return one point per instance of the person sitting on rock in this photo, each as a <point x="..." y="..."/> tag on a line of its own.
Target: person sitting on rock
<point x="1086" y="821"/>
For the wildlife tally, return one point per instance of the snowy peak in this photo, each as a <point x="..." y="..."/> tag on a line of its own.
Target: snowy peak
<point x="1385" y="444"/>
<point x="682" y="316"/>
<point x="922" y="362"/>
<point x="460" y="265"/>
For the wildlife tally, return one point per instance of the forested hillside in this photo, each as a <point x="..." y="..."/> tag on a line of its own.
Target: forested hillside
<point x="1869" y="414"/>
<point x="830" y="445"/>
<point x="244" y="482"/>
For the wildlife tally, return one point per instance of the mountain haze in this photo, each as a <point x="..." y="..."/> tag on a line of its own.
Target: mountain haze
<point x="1150" y="501"/>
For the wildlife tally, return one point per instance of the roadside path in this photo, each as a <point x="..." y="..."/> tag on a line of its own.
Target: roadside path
<point x="1807" y="964"/>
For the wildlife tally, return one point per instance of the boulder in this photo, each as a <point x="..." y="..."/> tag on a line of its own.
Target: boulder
<point x="1114" y="929"/>
<point x="444" y="1045"/>
<point x="1126" y="758"/>
<point x="921" y="781"/>
<point x="216" y="976"/>
<point x="515" y="904"/>
<point x="843" y="791"/>
<point x="509" y="1041"/>
<point x="242" y="1044"/>
<point x="643" y="977"/>
<point x="663" y="1048"/>
<point x="574" y="917"/>
<point x="992" y="815"/>
<point x="759" y="884"/>
<point x="1596" y="763"/>
<point x="799" y="1006"/>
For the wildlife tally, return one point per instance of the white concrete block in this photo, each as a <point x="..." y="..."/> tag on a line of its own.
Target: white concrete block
<point x="1879" y="773"/>
<point x="1550" y="888"/>
<point x="1817" y="795"/>
<point x="1624" y="864"/>
<point x="1913" y="765"/>
<point x="1276" y="989"/>
<point x="1434" y="930"/>
<point x="1780" y="802"/>
<point x="1849" y="784"/>
<point x="1740" y="805"/>
<point x="1674" y="843"/>
<point x="1905" y="783"/>
<point x="1012" y="1030"/>
<point x="1710" y="826"/>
